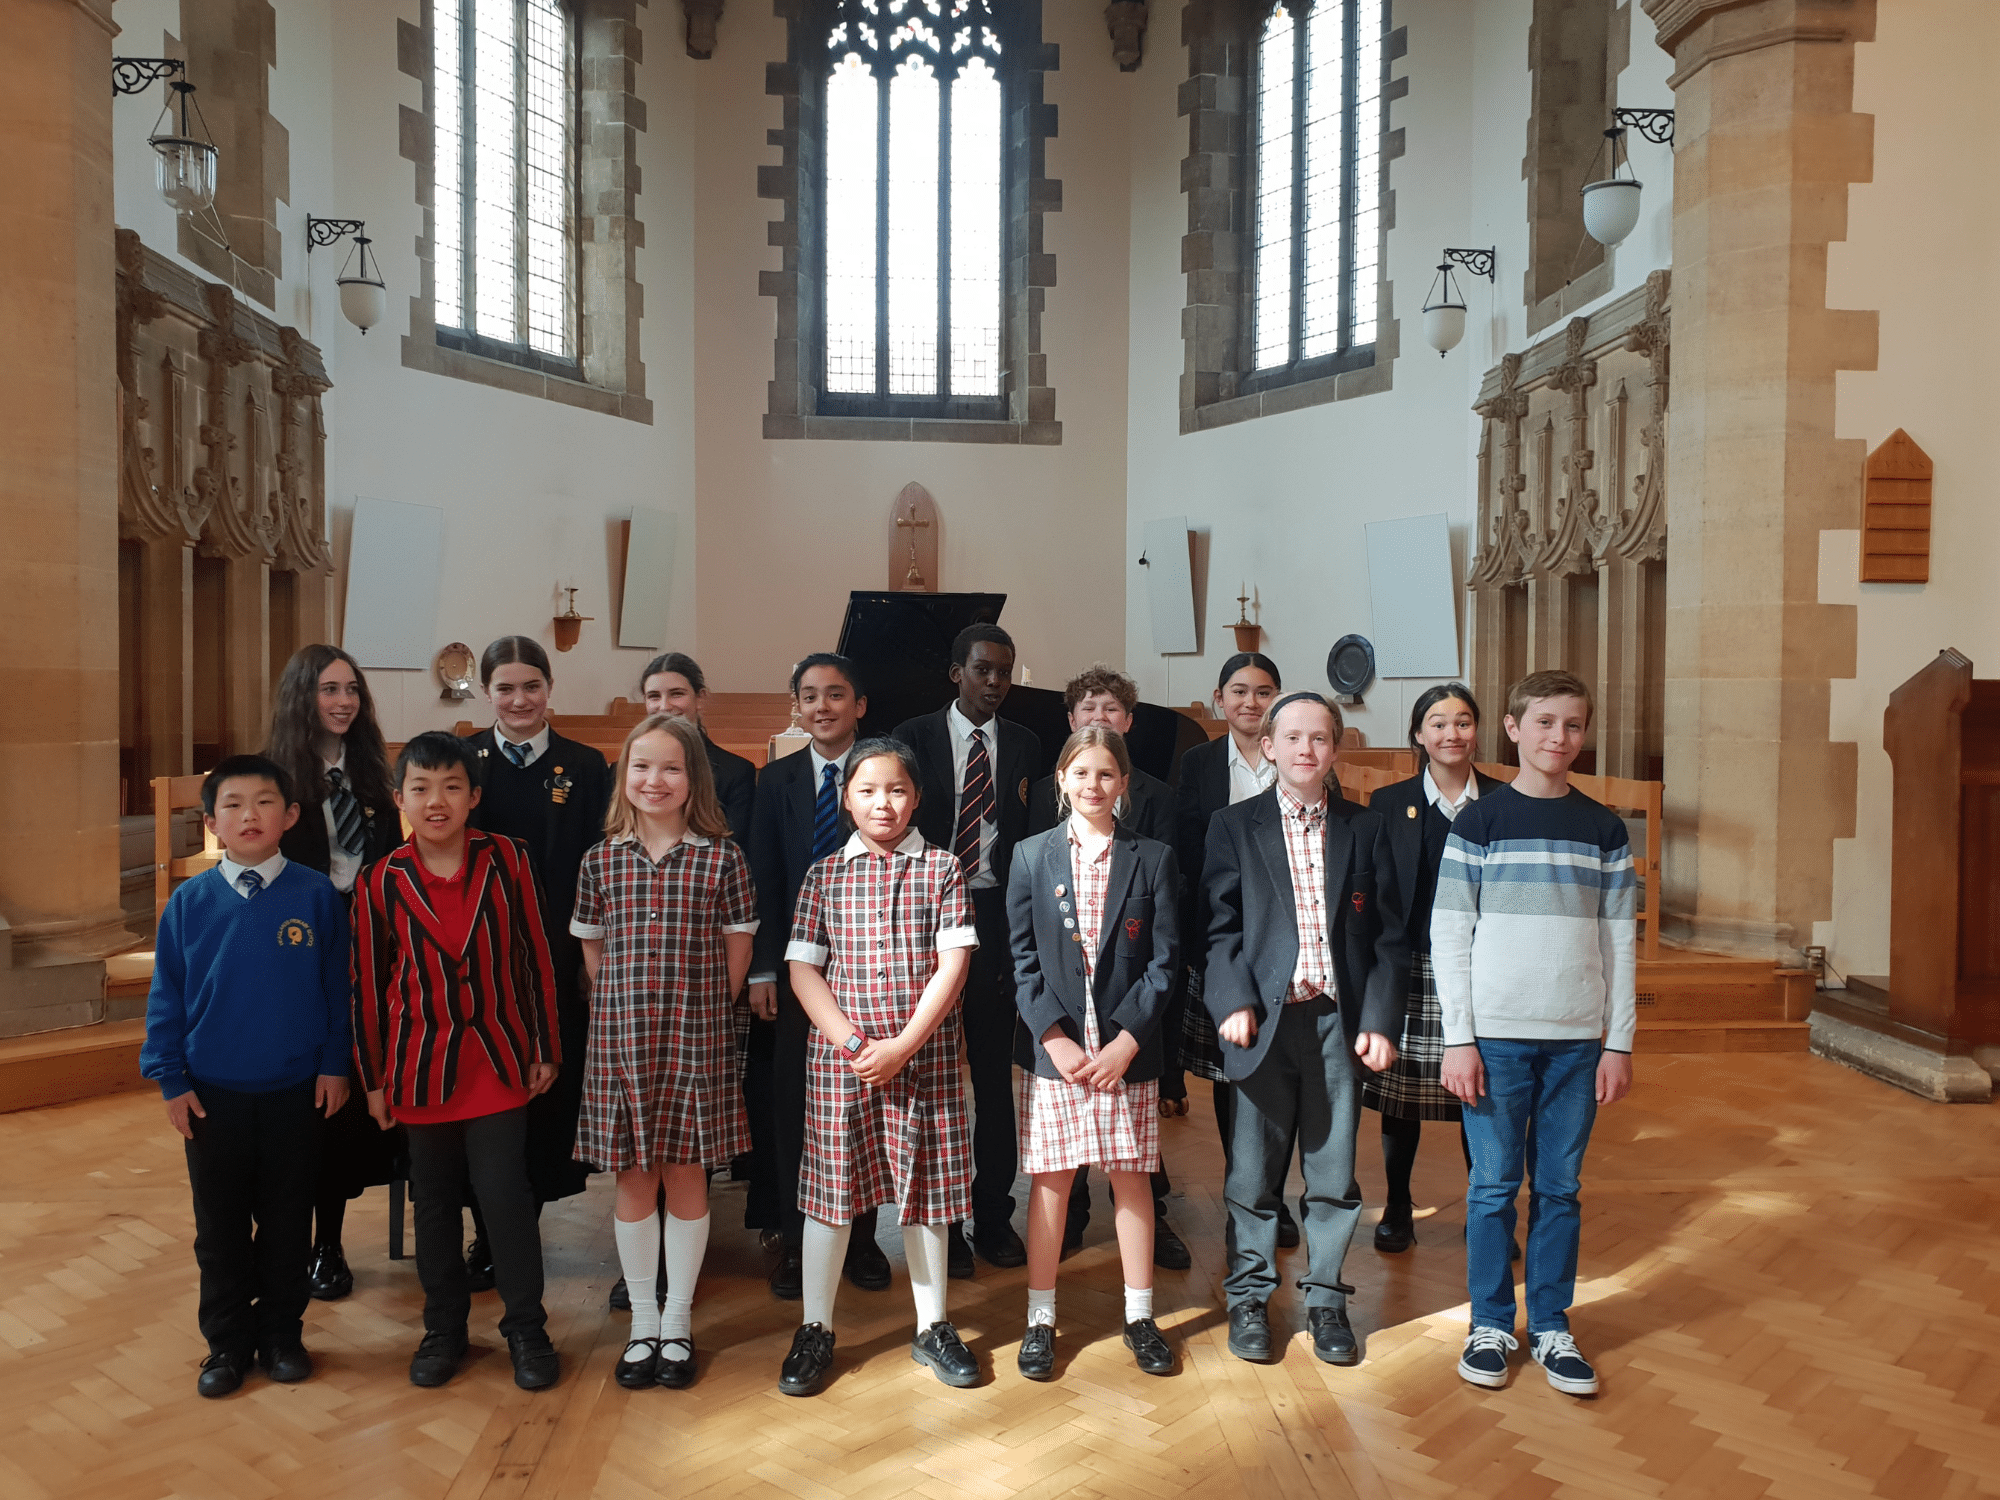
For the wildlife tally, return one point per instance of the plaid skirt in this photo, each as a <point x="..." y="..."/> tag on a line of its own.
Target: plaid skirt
<point x="1064" y="1126"/>
<point x="1201" y="1048"/>
<point x="1409" y="1089"/>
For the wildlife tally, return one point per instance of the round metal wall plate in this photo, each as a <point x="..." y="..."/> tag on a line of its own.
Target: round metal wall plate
<point x="1350" y="665"/>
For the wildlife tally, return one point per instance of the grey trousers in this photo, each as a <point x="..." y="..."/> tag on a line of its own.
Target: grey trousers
<point x="1306" y="1084"/>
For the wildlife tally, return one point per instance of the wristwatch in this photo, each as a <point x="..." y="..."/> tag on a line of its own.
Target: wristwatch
<point x="854" y="1043"/>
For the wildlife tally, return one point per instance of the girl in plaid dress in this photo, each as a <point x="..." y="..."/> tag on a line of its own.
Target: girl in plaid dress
<point x="1444" y="730"/>
<point x="666" y="912"/>
<point x="1091" y="913"/>
<point x="881" y="940"/>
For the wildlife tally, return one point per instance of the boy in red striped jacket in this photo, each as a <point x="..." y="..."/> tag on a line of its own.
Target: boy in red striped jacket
<point x="454" y="1031"/>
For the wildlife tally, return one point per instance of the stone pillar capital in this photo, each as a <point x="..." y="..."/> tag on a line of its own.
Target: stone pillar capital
<point x="1697" y="32"/>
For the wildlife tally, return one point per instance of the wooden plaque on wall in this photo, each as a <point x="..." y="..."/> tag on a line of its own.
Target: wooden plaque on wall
<point x="913" y="541"/>
<point x="1896" y="513"/>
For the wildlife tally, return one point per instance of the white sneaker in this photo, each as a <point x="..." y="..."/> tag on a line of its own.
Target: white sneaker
<point x="1568" y="1371"/>
<point x="1484" y="1361"/>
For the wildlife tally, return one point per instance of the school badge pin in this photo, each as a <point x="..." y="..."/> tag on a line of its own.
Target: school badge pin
<point x="295" y="934"/>
<point x="1062" y="890"/>
<point x="1409" y="812"/>
<point x="559" y="787"/>
<point x="1023" y="791"/>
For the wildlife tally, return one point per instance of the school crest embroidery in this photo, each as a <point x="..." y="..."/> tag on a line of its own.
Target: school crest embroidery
<point x="1132" y="925"/>
<point x="1358" y="901"/>
<point x="295" y="934"/>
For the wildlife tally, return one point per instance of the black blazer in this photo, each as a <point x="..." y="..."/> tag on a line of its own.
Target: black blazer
<point x="1017" y="753"/>
<point x="1253" y="935"/>
<point x="1395" y="804"/>
<point x="1202" y="792"/>
<point x="780" y="852"/>
<point x="735" y="789"/>
<point x="1138" y="953"/>
<point x="306" y="841"/>
<point x="1149" y="806"/>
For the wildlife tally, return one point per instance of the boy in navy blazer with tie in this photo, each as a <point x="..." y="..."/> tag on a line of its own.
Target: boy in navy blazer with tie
<point x="1307" y="963"/>
<point x="797" y="821"/>
<point x="976" y="775"/>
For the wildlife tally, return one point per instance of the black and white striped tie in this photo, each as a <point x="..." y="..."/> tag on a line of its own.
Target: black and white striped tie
<point x="346" y="812"/>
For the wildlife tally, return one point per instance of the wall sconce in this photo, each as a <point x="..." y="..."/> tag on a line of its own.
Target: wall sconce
<point x="1444" y="308"/>
<point x="185" y="170"/>
<point x="364" y="296"/>
<point x="1611" y="204"/>
<point x="569" y="624"/>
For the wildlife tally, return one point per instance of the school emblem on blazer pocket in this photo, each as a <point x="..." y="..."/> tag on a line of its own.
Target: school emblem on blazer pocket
<point x="1023" y="791"/>
<point x="1359" y="901"/>
<point x="1132" y="929"/>
<point x="295" y="934"/>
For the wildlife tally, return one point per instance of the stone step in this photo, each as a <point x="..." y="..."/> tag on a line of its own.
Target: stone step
<point x="1722" y="1036"/>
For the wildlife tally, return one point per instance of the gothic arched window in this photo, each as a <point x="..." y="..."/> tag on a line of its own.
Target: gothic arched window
<point x="1315" y="136"/>
<point x="911" y="240"/>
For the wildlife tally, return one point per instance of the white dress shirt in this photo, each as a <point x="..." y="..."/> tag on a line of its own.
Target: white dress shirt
<point x="537" y="743"/>
<point x="342" y="868"/>
<point x="961" y="751"/>
<point x="1444" y="804"/>
<point x="270" y="870"/>
<point x="1246" y="781"/>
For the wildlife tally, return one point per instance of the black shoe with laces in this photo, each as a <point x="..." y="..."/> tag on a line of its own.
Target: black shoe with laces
<point x="479" y="1266"/>
<point x="1038" y="1351"/>
<point x="437" y="1357"/>
<point x="1397" y="1231"/>
<point x="329" y="1278"/>
<point x="1250" y="1332"/>
<point x="1153" y="1353"/>
<point x="788" y="1276"/>
<point x="1170" y="1251"/>
<point x="222" y="1374"/>
<point x="677" y="1363"/>
<point x="287" y="1362"/>
<point x="1333" y="1340"/>
<point x="810" y="1361"/>
<point x="537" y="1366"/>
<point x="940" y="1347"/>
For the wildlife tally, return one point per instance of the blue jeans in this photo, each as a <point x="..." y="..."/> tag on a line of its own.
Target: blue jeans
<point x="1544" y="1093"/>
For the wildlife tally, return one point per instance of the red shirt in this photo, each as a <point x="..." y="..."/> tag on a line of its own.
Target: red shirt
<point x="479" y="1090"/>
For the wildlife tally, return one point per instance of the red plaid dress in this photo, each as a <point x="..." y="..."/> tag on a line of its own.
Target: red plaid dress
<point x="660" y="1085"/>
<point x="876" y="925"/>
<point x="1065" y="1125"/>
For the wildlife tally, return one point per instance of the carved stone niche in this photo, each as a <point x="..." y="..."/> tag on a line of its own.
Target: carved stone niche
<point x="1571" y="542"/>
<point x="223" y="561"/>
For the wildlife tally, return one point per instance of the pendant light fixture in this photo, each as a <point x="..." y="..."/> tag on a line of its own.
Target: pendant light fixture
<point x="1444" y="307"/>
<point x="1611" y="204"/>
<point x="185" y="169"/>
<point x="364" y="296"/>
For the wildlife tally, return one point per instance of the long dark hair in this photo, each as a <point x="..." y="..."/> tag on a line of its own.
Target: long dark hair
<point x="1429" y="699"/>
<point x="295" y="729"/>
<point x="1244" y="659"/>
<point x="678" y="663"/>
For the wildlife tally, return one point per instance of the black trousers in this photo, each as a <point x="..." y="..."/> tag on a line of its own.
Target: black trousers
<point x="253" y="1165"/>
<point x="988" y="1018"/>
<point x="486" y="1157"/>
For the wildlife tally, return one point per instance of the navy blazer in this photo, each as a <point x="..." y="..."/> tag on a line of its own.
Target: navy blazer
<point x="1253" y="934"/>
<point x="1201" y="793"/>
<point x="1149" y="807"/>
<point x="1138" y="951"/>
<point x="1015" y="758"/>
<point x="1395" y="804"/>
<point x="735" y="789"/>
<point x="779" y="848"/>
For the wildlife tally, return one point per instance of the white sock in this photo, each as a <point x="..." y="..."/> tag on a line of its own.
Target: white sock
<point x="686" y="1243"/>
<point x="1041" y="1308"/>
<point x="821" y="1253"/>
<point x="923" y="1248"/>
<point x="1138" y="1303"/>
<point x="639" y="1258"/>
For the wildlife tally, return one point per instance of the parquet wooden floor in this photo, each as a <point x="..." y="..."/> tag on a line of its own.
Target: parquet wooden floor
<point x="1790" y="1284"/>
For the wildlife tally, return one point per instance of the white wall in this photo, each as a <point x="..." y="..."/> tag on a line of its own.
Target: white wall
<point x="1919" y="247"/>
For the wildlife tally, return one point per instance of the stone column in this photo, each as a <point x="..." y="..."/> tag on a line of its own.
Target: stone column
<point x="59" y="517"/>
<point x="1767" y="142"/>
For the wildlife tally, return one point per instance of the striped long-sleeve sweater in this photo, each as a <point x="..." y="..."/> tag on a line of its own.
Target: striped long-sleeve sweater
<point x="1532" y="928"/>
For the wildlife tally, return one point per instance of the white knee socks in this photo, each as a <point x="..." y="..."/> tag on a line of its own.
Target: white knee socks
<point x="821" y="1254"/>
<point x="686" y="1243"/>
<point x="639" y="1259"/>
<point x="923" y="1248"/>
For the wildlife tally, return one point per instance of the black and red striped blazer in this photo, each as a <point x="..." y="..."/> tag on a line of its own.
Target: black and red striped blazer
<point x="418" y="1002"/>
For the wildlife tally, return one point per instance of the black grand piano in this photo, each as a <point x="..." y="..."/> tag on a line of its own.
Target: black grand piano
<point x="901" y="645"/>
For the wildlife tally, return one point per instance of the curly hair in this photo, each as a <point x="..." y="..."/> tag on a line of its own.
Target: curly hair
<point x="293" y="741"/>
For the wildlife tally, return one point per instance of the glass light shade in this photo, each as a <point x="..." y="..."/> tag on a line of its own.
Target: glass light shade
<point x="186" y="172"/>
<point x="1444" y="326"/>
<point x="362" y="301"/>
<point x="1610" y="209"/>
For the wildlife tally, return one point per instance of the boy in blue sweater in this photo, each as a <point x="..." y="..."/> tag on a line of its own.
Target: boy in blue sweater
<point x="1531" y="943"/>
<point x="247" y="1033"/>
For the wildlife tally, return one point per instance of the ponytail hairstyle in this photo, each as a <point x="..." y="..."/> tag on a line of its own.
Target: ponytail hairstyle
<point x="1092" y="737"/>
<point x="1429" y="699"/>
<point x="1244" y="659"/>
<point x="704" y="809"/>
<point x="678" y="663"/>
<point x="293" y="742"/>
<point x="514" y="650"/>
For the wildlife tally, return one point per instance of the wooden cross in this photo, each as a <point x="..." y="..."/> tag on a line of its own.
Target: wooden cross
<point x="914" y="579"/>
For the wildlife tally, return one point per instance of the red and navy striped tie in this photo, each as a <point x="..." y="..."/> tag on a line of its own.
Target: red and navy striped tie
<point x="826" y="815"/>
<point x="975" y="805"/>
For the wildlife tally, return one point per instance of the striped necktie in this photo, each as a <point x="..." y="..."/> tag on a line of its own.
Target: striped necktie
<point x="516" y="753"/>
<point x="975" y="805"/>
<point x="346" y="812"/>
<point x="250" y="882"/>
<point x="826" y="815"/>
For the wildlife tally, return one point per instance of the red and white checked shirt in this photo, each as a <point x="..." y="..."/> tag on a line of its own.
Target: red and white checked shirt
<point x="1305" y="853"/>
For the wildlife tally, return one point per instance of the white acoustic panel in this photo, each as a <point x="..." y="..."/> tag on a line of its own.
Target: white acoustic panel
<point x="395" y="558"/>
<point x="649" y="579"/>
<point x="1170" y="584"/>
<point x="1410" y="585"/>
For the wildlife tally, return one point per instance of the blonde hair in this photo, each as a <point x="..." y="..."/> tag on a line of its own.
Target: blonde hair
<point x="704" y="811"/>
<point x="1268" y="730"/>
<point x="1090" y="737"/>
